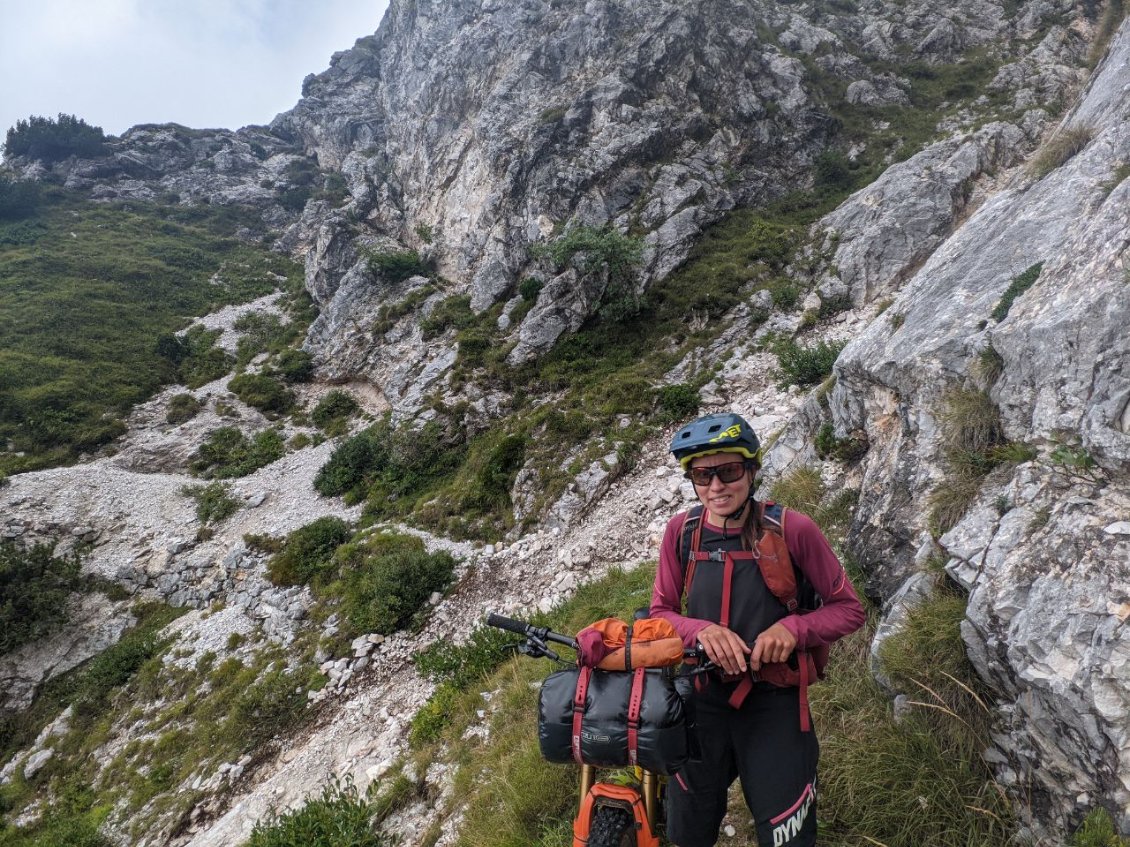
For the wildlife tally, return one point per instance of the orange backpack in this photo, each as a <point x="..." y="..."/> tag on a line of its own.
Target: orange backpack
<point x="606" y="806"/>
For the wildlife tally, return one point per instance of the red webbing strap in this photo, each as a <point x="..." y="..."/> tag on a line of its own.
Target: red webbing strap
<point x="634" y="702"/>
<point x="579" y="711"/>
<point x="692" y="555"/>
<point x="802" y="664"/>
<point x="727" y="586"/>
<point x="741" y="691"/>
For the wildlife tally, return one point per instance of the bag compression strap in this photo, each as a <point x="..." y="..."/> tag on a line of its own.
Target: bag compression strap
<point x="579" y="711"/>
<point x="634" y="702"/>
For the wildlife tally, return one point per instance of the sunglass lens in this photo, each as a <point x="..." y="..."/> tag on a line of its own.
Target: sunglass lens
<point x="731" y="472"/>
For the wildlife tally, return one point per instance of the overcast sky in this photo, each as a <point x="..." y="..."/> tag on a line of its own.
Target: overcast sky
<point x="201" y="63"/>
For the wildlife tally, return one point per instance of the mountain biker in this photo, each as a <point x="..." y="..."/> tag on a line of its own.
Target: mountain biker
<point x="747" y="730"/>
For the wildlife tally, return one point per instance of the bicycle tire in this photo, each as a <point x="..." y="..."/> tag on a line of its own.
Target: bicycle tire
<point x="612" y="826"/>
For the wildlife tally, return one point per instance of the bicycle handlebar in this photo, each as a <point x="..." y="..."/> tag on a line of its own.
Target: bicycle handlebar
<point x="541" y="633"/>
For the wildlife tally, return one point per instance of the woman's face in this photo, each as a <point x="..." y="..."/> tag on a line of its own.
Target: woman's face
<point x="721" y="499"/>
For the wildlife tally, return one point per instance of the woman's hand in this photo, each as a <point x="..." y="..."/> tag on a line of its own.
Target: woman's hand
<point x="724" y="648"/>
<point x="776" y="644"/>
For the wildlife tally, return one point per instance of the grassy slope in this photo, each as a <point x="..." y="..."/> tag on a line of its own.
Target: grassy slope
<point x="85" y="292"/>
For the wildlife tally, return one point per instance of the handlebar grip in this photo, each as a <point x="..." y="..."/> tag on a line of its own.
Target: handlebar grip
<point x="507" y="623"/>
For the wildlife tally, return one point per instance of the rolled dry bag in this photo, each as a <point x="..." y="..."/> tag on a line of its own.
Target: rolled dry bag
<point x="614" y="718"/>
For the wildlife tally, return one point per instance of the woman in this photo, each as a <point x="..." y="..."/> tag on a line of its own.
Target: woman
<point x="722" y="554"/>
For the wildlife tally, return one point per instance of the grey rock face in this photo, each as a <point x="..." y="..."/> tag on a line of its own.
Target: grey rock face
<point x="1046" y="582"/>
<point x="509" y="139"/>
<point x="885" y="231"/>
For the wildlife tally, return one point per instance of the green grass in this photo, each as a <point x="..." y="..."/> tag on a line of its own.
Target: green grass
<point x="1059" y="149"/>
<point x="1098" y="830"/>
<point x="86" y="291"/>
<point x="1021" y="283"/>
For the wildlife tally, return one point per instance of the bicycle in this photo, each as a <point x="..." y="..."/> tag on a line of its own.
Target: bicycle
<point x="615" y="822"/>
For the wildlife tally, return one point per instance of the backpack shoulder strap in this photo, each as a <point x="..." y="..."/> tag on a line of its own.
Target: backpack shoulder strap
<point x="773" y="555"/>
<point x="773" y="516"/>
<point x="689" y="543"/>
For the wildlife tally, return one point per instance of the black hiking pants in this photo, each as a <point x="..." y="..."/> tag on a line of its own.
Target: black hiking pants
<point x="761" y="743"/>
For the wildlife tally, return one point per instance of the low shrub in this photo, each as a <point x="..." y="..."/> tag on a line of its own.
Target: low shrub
<point x="262" y="332"/>
<point x="785" y="293"/>
<point x="678" y="402"/>
<point x="228" y="453"/>
<point x="387" y="581"/>
<point x="214" y="502"/>
<point x="828" y="446"/>
<point x="805" y="365"/>
<point x="263" y="392"/>
<point x="495" y="474"/>
<point x="530" y="288"/>
<point x="832" y="306"/>
<point x="393" y="468"/>
<point x="467" y="663"/>
<point x="18" y="198"/>
<point x="34" y="589"/>
<point x="355" y="461"/>
<point x="592" y="249"/>
<point x="398" y="265"/>
<point x="333" y="410"/>
<point x="181" y="408"/>
<point x="295" y="365"/>
<point x="341" y="817"/>
<point x="194" y="359"/>
<point x="307" y="554"/>
<point x="274" y="704"/>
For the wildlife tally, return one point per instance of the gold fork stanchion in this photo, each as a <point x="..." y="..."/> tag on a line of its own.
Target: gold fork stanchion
<point x="651" y="797"/>
<point x="588" y="776"/>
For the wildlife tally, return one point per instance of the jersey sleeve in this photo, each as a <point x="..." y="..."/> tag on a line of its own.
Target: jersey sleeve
<point x="667" y="593"/>
<point x="842" y="612"/>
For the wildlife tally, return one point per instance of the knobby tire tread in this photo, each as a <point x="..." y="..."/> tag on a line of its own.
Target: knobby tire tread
<point x="612" y="826"/>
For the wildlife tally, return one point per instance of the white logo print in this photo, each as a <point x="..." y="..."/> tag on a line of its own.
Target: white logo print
<point x="788" y="829"/>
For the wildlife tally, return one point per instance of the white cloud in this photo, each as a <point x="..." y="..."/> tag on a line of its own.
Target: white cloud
<point x="202" y="63"/>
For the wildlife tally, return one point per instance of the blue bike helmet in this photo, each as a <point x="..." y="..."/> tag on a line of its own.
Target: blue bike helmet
<point x="720" y="433"/>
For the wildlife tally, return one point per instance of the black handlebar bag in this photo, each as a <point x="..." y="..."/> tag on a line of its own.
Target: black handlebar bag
<point x="616" y="718"/>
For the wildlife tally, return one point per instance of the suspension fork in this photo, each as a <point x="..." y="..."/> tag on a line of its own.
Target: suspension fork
<point x="650" y="786"/>
<point x="588" y="777"/>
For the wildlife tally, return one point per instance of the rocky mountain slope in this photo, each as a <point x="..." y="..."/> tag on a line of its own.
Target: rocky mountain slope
<point x="982" y="290"/>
